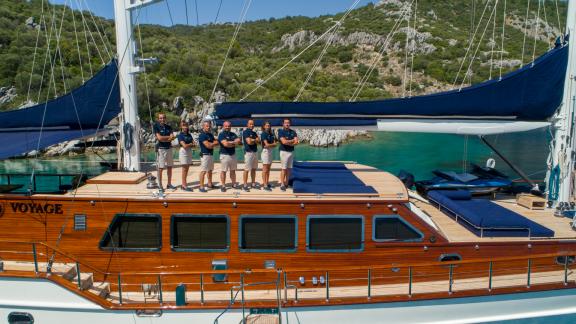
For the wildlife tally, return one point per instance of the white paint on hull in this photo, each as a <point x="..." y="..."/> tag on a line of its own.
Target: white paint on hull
<point x="50" y="303"/>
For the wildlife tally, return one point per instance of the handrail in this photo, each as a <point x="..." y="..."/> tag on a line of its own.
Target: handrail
<point x="343" y="268"/>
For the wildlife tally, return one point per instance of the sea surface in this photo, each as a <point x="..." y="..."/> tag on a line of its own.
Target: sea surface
<point x="416" y="153"/>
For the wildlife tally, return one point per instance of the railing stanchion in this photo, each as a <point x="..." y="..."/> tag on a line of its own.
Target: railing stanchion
<point x="119" y="289"/>
<point x="490" y="276"/>
<point x="160" y="297"/>
<point x="279" y="295"/>
<point x="243" y="301"/>
<point x="409" y="281"/>
<point x="327" y="286"/>
<point x="450" y="278"/>
<point x="79" y="276"/>
<point x="35" y="255"/>
<point x="565" y="270"/>
<point x="285" y="286"/>
<point x="369" y="283"/>
<point x="202" y="288"/>
<point x="529" y="273"/>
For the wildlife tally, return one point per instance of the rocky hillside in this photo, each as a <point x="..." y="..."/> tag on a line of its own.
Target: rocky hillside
<point x="423" y="55"/>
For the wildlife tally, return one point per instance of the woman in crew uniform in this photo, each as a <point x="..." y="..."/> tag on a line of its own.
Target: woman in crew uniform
<point x="268" y="141"/>
<point x="185" y="153"/>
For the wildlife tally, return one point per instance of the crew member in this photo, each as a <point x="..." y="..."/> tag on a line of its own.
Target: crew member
<point x="228" y="141"/>
<point x="185" y="154"/>
<point x="207" y="142"/>
<point x="165" y="159"/>
<point x="288" y="139"/>
<point x="251" y="140"/>
<point x="268" y="141"/>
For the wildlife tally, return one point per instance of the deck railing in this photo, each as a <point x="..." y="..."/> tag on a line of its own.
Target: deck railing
<point x="276" y="288"/>
<point x="41" y="182"/>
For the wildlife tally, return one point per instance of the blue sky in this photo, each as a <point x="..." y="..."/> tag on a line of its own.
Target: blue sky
<point x="230" y="10"/>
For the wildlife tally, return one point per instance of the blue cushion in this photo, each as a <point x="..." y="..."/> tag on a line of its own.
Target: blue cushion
<point x="326" y="177"/>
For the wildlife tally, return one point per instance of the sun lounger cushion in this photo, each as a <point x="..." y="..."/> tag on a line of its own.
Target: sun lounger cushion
<point x="326" y="178"/>
<point x="485" y="215"/>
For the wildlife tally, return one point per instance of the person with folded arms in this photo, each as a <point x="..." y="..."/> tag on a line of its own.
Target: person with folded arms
<point x="207" y="142"/>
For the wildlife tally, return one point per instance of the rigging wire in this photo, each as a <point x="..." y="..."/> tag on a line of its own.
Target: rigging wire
<point x="88" y="55"/>
<point x="35" y="50"/>
<point x="525" y="30"/>
<point x="218" y="11"/>
<point x="87" y="27"/>
<point x="186" y="10"/>
<point x="469" y="69"/>
<point x="558" y="16"/>
<point x="241" y="19"/>
<point x="493" y="43"/>
<point x="47" y="54"/>
<point x="197" y="16"/>
<point x="470" y="45"/>
<point x="404" y="81"/>
<point x="102" y="33"/>
<point x="537" y="29"/>
<point x="169" y="13"/>
<point x="502" y="39"/>
<point x="324" y="50"/>
<point x="414" y="43"/>
<point x="77" y="44"/>
<point x="385" y="45"/>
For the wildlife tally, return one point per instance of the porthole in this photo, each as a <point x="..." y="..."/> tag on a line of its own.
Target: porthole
<point x="20" y="318"/>
<point x="561" y="260"/>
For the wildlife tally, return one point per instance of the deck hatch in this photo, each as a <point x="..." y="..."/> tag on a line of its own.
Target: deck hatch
<point x="266" y="233"/>
<point x="133" y="232"/>
<point x="191" y="232"/>
<point x="335" y="233"/>
<point x="393" y="228"/>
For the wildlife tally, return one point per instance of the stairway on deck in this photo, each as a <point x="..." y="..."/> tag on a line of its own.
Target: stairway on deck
<point x="67" y="271"/>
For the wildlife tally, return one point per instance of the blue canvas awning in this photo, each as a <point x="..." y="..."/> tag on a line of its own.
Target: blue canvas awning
<point x="531" y="93"/>
<point x="80" y="113"/>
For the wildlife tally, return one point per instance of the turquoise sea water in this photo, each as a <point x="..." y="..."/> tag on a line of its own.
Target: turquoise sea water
<point x="414" y="152"/>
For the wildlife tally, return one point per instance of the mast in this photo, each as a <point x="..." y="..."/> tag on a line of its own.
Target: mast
<point x="564" y="145"/>
<point x="126" y="52"/>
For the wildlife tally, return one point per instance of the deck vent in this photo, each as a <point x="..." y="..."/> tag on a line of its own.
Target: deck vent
<point x="79" y="222"/>
<point x="269" y="264"/>
<point x="219" y="265"/>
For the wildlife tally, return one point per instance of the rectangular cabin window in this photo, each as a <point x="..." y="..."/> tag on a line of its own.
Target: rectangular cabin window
<point x="199" y="232"/>
<point x="268" y="233"/>
<point x="335" y="233"/>
<point x="394" y="228"/>
<point x="133" y="232"/>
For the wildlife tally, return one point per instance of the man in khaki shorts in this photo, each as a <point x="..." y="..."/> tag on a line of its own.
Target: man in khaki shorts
<point x="251" y="140"/>
<point x="207" y="142"/>
<point x="288" y="139"/>
<point x="228" y="142"/>
<point x="164" y="135"/>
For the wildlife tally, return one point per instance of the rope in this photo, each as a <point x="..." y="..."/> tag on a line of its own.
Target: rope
<point x="35" y="50"/>
<point x="492" y="49"/>
<point x="503" y="34"/>
<point x="404" y="85"/>
<point x="468" y="70"/>
<point x="324" y="50"/>
<point x="86" y="40"/>
<point x="243" y="13"/>
<point x="470" y="44"/>
<point x="554" y="183"/>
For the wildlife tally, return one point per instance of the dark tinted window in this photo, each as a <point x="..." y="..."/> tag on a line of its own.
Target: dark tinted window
<point x="335" y="233"/>
<point x="128" y="231"/>
<point x="268" y="233"/>
<point x="200" y="232"/>
<point x="394" y="228"/>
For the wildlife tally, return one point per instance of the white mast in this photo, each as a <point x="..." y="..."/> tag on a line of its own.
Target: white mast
<point x="126" y="51"/>
<point x="564" y="144"/>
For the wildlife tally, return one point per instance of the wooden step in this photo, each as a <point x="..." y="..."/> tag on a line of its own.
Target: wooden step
<point x="262" y="319"/>
<point x="101" y="289"/>
<point x="86" y="280"/>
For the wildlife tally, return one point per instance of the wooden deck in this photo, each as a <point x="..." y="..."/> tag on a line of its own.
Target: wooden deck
<point x="455" y="232"/>
<point x="133" y="185"/>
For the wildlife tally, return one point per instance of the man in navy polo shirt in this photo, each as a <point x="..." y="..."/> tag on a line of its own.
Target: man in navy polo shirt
<point x="164" y="135"/>
<point x="207" y="142"/>
<point x="251" y="140"/>
<point x="228" y="141"/>
<point x="288" y="139"/>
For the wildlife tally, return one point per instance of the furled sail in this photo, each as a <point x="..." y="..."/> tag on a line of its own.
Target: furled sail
<point x="524" y="98"/>
<point x="81" y="113"/>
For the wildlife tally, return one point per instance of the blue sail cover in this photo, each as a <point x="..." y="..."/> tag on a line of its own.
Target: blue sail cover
<point x="531" y="93"/>
<point x="80" y="113"/>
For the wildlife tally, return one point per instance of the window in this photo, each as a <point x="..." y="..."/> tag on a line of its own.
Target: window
<point x="448" y="257"/>
<point x="330" y="233"/>
<point x="268" y="233"/>
<point x="199" y="232"/>
<point x="133" y="232"/>
<point x="387" y="228"/>
<point x="20" y="318"/>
